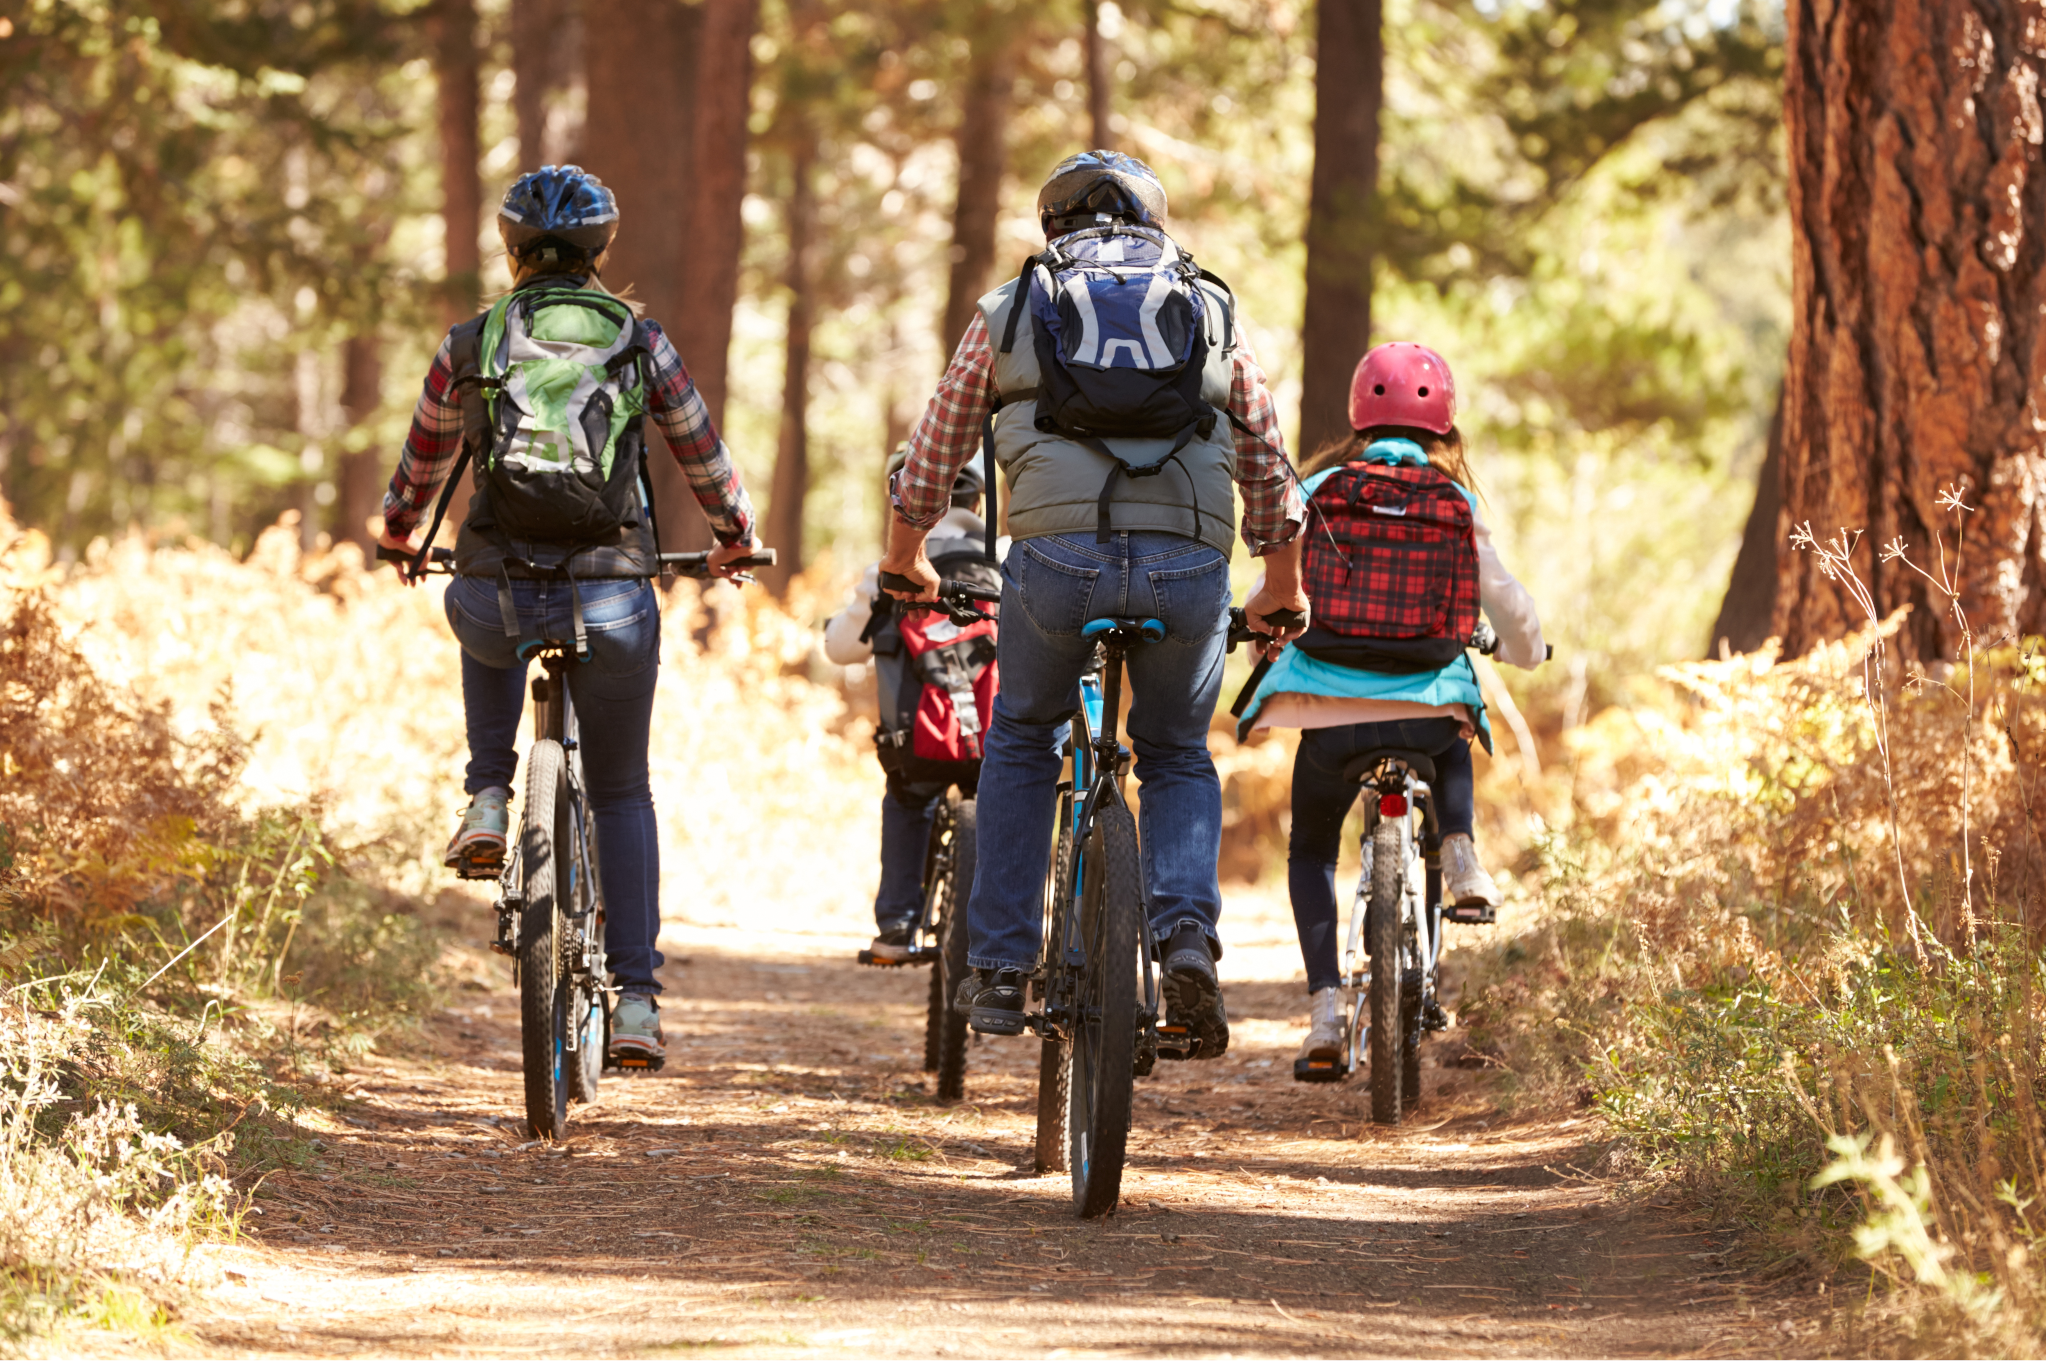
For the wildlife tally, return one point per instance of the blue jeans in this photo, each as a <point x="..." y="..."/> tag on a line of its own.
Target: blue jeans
<point x="1052" y="586"/>
<point x="1322" y="800"/>
<point x="613" y="694"/>
<point x="906" y="815"/>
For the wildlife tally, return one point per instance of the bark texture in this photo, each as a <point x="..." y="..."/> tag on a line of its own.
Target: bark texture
<point x="716" y="234"/>
<point x="1748" y="610"/>
<point x="784" y="528"/>
<point x="639" y="139"/>
<point x="1918" y="347"/>
<point x="983" y="142"/>
<point x="1348" y="94"/>
<point x="359" y="477"/>
<point x="1100" y="89"/>
<point x="455" y="69"/>
<point x="547" y="59"/>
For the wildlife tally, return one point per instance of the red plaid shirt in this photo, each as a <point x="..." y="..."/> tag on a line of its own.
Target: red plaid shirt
<point x="677" y="409"/>
<point x="949" y="433"/>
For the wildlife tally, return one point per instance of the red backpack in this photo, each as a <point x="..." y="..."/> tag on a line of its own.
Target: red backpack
<point x="954" y="668"/>
<point x="1391" y="569"/>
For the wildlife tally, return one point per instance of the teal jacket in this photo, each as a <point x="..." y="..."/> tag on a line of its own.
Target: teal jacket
<point x="1293" y="671"/>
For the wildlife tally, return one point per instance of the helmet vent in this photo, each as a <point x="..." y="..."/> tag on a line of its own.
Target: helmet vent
<point x="1424" y="391"/>
<point x="1378" y="389"/>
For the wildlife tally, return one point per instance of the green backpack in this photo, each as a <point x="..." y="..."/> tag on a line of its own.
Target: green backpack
<point x="564" y="378"/>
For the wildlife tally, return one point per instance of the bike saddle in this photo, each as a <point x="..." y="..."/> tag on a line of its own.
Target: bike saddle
<point x="1150" y="631"/>
<point x="1360" y="767"/>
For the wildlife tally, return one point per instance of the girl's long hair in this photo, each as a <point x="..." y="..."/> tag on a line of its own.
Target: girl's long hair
<point x="591" y="280"/>
<point x="1444" y="451"/>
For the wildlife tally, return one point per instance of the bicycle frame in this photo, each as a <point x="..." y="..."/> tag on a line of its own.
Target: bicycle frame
<point x="1100" y="762"/>
<point x="582" y="948"/>
<point x="1420" y="911"/>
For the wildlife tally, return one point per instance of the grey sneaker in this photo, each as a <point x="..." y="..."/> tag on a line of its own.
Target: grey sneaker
<point x="636" y="1039"/>
<point x="478" y="846"/>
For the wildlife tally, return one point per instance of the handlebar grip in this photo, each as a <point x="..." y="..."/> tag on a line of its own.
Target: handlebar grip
<point x="391" y="556"/>
<point x="1286" y="620"/>
<point x="899" y="582"/>
<point x="954" y="587"/>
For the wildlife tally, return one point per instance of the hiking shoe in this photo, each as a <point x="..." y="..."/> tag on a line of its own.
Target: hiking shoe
<point x="636" y="1039"/>
<point x="892" y="946"/>
<point x="1196" y="1024"/>
<point x="1321" y="1052"/>
<point x="478" y="846"/>
<point x="993" y="1001"/>
<point x="1465" y="883"/>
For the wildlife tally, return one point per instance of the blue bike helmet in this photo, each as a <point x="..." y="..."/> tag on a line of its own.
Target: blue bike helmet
<point x="1096" y="188"/>
<point x="557" y="216"/>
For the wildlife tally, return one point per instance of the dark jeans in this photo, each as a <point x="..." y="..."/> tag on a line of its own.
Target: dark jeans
<point x="613" y="693"/>
<point x="1321" y="800"/>
<point x="1051" y="587"/>
<point x="906" y="815"/>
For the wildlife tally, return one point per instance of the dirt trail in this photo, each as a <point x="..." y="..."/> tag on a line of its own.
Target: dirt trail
<point x="788" y="1187"/>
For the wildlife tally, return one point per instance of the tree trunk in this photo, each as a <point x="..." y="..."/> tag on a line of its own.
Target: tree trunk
<point x="546" y="58"/>
<point x="983" y="141"/>
<point x="1348" y="92"/>
<point x="455" y="69"/>
<point x="716" y="234"/>
<point x="359" y="485"/>
<point x="639" y="140"/>
<point x="1749" y="607"/>
<point x="1918" y="342"/>
<point x="1099" y="89"/>
<point x="792" y="461"/>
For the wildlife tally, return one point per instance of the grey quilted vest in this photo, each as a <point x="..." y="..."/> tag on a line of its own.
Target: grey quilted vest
<point x="1055" y="482"/>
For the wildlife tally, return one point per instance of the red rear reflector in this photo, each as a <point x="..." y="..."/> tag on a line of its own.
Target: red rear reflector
<point x="1392" y="805"/>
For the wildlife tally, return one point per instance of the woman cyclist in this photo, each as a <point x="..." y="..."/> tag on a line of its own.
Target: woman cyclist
<point x="557" y="224"/>
<point x="1402" y="411"/>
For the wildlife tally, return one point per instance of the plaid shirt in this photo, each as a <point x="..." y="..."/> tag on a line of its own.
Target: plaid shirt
<point x="677" y="409"/>
<point x="1273" y="510"/>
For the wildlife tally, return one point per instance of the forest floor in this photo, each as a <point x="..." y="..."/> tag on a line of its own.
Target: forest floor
<point x="788" y="1187"/>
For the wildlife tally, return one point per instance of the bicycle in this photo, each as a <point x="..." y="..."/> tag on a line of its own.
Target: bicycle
<point x="938" y="938"/>
<point x="1099" y="1023"/>
<point x="550" y="906"/>
<point x="1392" y="951"/>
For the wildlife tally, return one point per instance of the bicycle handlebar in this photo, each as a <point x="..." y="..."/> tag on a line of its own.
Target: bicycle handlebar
<point x="1239" y="625"/>
<point x="688" y="563"/>
<point x="1485" y="640"/>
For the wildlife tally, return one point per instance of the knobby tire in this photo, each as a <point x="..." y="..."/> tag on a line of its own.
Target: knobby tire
<point x="1388" y="876"/>
<point x="542" y="1008"/>
<point x="586" y="1006"/>
<point x="951" y="964"/>
<point x="1055" y="1055"/>
<point x="936" y="913"/>
<point x="1105" y="1032"/>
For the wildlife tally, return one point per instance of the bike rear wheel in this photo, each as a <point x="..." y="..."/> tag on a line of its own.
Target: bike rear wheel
<point x="950" y="968"/>
<point x="543" y="991"/>
<point x="935" y="918"/>
<point x="1105" y="1015"/>
<point x="1388" y="871"/>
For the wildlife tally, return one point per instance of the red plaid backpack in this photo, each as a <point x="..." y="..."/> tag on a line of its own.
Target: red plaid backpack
<point x="1391" y="569"/>
<point x="941" y="679"/>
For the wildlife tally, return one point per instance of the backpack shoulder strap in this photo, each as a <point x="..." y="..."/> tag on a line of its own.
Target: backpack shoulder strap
<point x="1018" y="301"/>
<point x="1228" y="302"/>
<point x="468" y="382"/>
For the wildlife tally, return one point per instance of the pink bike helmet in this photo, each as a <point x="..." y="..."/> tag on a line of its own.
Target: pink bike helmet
<point x="1403" y="384"/>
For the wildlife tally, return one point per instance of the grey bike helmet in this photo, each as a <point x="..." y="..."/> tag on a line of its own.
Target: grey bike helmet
<point x="1095" y="188"/>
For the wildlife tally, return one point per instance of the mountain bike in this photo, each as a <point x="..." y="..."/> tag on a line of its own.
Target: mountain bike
<point x="1099" y="1024"/>
<point x="1392" y="951"/>
<point x="550" y="904"/>
<point x="938" y="938"/>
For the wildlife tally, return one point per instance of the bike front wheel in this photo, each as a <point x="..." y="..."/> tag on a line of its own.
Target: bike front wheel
<point x="544" y="1015"/>
<point x="950" y="969"/>
<point x="1388" y="872"/>
<point x="1105" y="1015"/>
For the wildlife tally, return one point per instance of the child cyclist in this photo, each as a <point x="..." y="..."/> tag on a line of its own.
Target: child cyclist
<point x="551" y="549"/>
<point x="1396" y="570"/>
<point x="868" y="629"/>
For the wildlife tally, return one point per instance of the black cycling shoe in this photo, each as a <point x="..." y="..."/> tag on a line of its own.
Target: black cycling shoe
<point x="993" y="1001"/>
<point x="1196" y="1023"/>
<point x="891" y="947"/>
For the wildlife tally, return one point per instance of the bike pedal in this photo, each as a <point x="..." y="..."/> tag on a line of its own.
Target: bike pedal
<point x="476" y="870"/>
<point x="1319" y="1071"/>
<point x="1177" y="1044"/>
<point x="1471" y="914"/>
<point x="633" y="1062"/>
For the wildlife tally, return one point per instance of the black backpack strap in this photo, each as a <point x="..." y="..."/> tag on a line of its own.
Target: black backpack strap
<point x="1017" y="303"/>
<point x="1229" y="309"/>
<point x="992" y="479"/>
<point x="1104" y="530"/>
<point x="469" y="383"/>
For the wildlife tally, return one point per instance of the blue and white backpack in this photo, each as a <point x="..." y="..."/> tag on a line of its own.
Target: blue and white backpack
<point x="1119" y="321"/>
